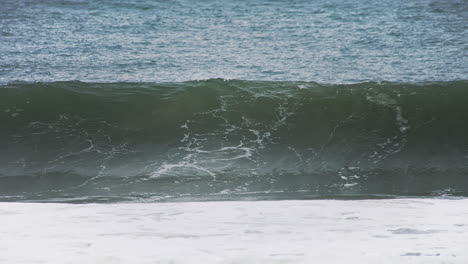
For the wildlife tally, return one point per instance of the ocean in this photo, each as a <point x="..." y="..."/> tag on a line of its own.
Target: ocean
<point x="104" y="101"/>
<point x="241" y="131"/>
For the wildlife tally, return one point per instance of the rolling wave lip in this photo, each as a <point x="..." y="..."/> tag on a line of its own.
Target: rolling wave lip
<point x="232" y="139"/>
<point x="246" y="82"/>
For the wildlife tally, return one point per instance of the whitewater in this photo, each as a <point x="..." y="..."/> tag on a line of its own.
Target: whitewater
<point x="325" y="231"/>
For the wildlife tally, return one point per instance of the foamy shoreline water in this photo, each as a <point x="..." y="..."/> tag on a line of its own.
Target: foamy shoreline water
<point x="320" y="231"/>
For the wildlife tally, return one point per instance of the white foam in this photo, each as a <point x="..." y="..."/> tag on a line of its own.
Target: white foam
<point x="323" y="231"/>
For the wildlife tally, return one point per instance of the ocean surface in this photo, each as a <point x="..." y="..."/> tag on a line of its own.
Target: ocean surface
<point x="112" y="101"/>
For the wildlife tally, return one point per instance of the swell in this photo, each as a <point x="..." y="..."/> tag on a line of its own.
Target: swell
<point x="227" y="138"/>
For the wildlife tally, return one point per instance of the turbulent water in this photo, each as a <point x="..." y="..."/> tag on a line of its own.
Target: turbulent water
<point x="220" y="139"/>
<point x="213" y="100"/>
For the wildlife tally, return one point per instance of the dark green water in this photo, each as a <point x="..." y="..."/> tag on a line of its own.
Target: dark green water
<point x="221" y="139"/>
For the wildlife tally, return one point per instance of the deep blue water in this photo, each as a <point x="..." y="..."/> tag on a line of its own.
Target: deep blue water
<point x="158" y="41"/>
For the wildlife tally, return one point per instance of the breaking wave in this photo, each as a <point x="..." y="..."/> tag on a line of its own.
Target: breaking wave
<point x="232" y="139"/>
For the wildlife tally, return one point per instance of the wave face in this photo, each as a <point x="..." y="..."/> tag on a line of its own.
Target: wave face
<point x="219" y="139"/>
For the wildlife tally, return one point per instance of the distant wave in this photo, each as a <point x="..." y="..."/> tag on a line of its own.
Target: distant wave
<point x="226" y="139"/>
